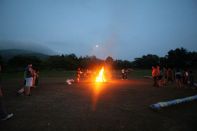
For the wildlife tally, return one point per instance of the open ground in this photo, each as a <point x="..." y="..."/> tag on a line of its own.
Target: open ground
<point x="115" y="105"/>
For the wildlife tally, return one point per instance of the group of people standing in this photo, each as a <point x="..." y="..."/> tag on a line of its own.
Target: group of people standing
<point x="184" y="78"/>
<point x="124" y="73"/>
<point x="31" y="76"/>
<point x="162" y="76"/>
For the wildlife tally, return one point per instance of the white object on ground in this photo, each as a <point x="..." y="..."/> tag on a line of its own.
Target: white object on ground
<point x="69" y="81"/>
<point x="21" y="91"/>
<point x="160" y="105"/>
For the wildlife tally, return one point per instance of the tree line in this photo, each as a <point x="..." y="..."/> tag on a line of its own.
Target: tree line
<point x="179" y="57"/>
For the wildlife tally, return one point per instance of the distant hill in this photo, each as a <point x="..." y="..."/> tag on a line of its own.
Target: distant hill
<point x="26" y="46"/>
<point x="9" y="53"/>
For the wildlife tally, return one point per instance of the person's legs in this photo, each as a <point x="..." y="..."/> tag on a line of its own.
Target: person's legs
<point x="180" y="84"/>
<point x="122" y="75"/>
<point x="27" y="91"/>
<point x="29" y="83"/>
<point x="160" y="81"/>
<point x="126" y="76"/>
<point x="155" y="81"/>
<point x="36" y="82"/>
<point x="177" y="83"/>
<point x="3" y="112"/>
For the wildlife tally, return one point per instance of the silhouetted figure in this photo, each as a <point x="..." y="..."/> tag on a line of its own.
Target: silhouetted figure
<point x="170" y="75"/>
<point x="122" y="73"/>
<point x="191" y="79"/>
<point x="4" y="115"/>
<point x="154" y="75"/>
<point x="79" y="72"/>
<point x="178" y="76"/>
<point x="37" y="77"/>
<point x="185" y="77"/>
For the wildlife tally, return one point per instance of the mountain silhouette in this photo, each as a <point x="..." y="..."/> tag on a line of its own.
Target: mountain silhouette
<point x="10" y="53"/>
<point x="34" y="47"/>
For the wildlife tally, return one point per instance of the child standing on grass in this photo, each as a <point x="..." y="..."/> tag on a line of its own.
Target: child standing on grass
<point x="29" y="79"/>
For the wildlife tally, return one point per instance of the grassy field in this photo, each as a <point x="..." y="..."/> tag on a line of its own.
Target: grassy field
<point x="115" y="105"/>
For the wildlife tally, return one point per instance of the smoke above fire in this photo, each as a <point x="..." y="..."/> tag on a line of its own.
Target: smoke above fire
<point x="108" y="47"/>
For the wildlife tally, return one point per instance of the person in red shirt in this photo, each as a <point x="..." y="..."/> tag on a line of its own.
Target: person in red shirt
<point x="154" y="75"/>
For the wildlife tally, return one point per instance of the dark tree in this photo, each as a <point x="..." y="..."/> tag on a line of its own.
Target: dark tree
<point x="178" y="58"/>
<point x="109" y="61"/>
<point x="19" y="62"/>
<point x="147" y="61"/>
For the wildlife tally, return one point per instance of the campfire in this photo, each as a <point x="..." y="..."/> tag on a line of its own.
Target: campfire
<point x="101" y="76"/>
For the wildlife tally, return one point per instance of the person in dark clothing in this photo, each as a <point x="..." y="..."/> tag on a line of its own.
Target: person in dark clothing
<point x="191" y="79"/>
<point x="4" y="115"/>
<point x="37" y="77"/>
<point x="79" y="72"/>
<point x="178" y="76"/>
<point x="170" y="75"/>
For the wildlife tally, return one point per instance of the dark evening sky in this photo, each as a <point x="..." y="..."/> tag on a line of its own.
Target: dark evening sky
<point x="123" y="29"/>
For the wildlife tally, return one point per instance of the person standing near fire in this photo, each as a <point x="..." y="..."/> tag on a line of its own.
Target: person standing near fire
<point x="122" y="72"/>
<point x="79" y="72"/>
<point x="154" y="76"/>
<point x="159" y="76"/>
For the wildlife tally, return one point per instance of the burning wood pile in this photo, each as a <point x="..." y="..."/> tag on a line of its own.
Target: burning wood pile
<point x="97" y="76"/>
<point x="101" y="76"/>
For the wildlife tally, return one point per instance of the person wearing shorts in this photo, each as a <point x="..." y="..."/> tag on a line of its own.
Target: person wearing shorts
<point x="178" y="76"/>
<point x="28" y="79"/>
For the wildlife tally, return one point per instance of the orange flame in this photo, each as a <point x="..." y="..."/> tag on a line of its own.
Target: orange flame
<point x="101" y="76"/>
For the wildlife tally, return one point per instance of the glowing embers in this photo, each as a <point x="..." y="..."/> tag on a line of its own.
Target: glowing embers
<point x="101" y="76"/>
